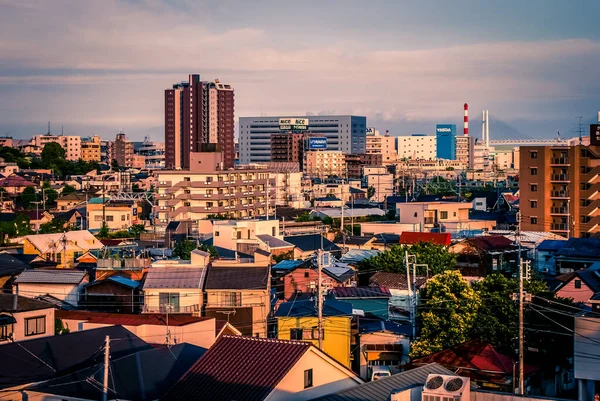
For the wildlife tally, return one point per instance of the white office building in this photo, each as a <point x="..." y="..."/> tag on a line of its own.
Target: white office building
<point x="416" y="146"/>
<point x="344" y="133"/>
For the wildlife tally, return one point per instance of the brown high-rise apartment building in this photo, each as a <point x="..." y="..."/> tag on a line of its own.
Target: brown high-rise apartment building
<point x="290" y="146"/>
<point x="559" y="189"/>
<point x="198" y="113"/>
<point x="122" y="150"/>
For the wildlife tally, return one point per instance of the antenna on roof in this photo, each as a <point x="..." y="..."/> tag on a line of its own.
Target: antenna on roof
<point x="48" y="127"/>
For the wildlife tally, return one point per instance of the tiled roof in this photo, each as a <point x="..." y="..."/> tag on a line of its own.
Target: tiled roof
<point x="24" y="304"/>
<point x="307" y="307"/>
<point x="127" y="319"/>
<point x="80" y="240"/>
<point x="395" y="281"/>
<point x="49" y="357"/>
<point x="491" y="242"/>
<point x="15" y="181"/>
<point x="237" y="278"/>
<point x="54" y="276"/>
<point x="387" y="239"/>
<point x="339" y="272"/>
<point x="174" y="277"/>
<point x="361" y="292"/>
<point x="380" y="390"/>
<point x="274" y="242"/>
<point x="354" y="240"/>
<point x="551" y="245"/>
<point x="58" y="303"/>
<point x="10" y="265"/>
<point x="581" y="247"/>
<point x="239" y="368"/>
<point x="311" y="242"/>
<point x="119" y="280"/>
<point x="408" y="237"/>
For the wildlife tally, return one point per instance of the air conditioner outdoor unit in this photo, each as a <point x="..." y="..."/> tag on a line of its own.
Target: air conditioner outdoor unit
<point x="446" y="388"/>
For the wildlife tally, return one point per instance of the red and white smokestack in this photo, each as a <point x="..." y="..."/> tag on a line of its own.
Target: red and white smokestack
<point x="466" y="126"/>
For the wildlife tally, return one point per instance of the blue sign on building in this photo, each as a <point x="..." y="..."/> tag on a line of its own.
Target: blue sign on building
<point x="445" y="141"/>
<point x="317" y="143"/>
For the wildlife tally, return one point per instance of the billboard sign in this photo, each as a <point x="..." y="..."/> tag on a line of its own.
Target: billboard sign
<point x="370" y="131"/>
<point x="445" y="129"/>
<point x="293" y="124"/>
<point x="317" y="143"/>
<point x="595" y="134"/>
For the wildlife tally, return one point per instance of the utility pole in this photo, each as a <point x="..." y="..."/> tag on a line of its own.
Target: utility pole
<point x="409" y="286"/>
<point x="37" y="216"/>
<point x="106" y="366"/>
<point x="521" y="313"/>
<point x="267" y="196"/>
<point x="320" y="298"/>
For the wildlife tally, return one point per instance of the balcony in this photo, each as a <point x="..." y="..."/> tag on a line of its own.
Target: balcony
<point x="559" y="177"/>
<point x="559" y="210"/>
<point x="564" y="161"/>
<point x="559" y="194"/>
<point x="172" y="309"/>
<point x="559" y="227"/>
<point x="429" y="220"/>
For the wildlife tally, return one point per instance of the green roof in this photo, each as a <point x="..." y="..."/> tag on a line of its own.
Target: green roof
<point x="97" y="201"/>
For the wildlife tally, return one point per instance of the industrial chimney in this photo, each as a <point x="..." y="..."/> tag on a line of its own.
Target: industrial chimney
<point x="466" y="125"/>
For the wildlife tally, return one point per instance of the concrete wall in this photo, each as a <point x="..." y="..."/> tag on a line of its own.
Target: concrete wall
<point x="256" y="299"/>
<point x="64" y="292"/>
<point x="19" y="327"/>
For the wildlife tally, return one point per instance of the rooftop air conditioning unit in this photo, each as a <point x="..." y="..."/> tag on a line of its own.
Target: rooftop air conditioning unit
<point x="446" y="388"/>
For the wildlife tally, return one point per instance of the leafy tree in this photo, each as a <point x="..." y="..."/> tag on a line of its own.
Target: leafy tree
<point x="328" y="221"/>
<point x="68" y="189"/>
<point x="137" y="229"/>
<point x="303" y="217"/>
<point x="15" y="228"/>
<point x="217" y="216"/>
<point x="210" y="249"/>
<point x="103" y="233"/>
<point x="50" y="194"/>
<point x="283" y="256"/>
<point x="114" y="165"/>
<point x="183" y="249"/>
<point x="390" y="214"/>
<point x="55" y="225"/>
<point x="52" y="153"/>
<point x="59" y="327"/>
<point x="447" y="314"/>
<point x="28" y="196"/>
<point x="370" y="192"/>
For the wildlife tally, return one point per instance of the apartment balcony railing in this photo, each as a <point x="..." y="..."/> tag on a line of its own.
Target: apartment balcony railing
<point x="559" y="177"/>
<point x="429" y="220"/>
<point x="559" y="210"/>
<point x="559" y="160"/>
<point x="559" y="227"/>
<point x="172" y="309"/>
<point x="559" y="194"/>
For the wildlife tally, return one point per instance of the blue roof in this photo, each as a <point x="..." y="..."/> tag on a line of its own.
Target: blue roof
<point x="551" y="245"/>
<point x="311" y="242"/>
<point x="307" y="308"/>
<point x="125" y="281"/>
<point x="287" y="264"/>
<point x="97" y="201"/>
<point x="374" y="326"/>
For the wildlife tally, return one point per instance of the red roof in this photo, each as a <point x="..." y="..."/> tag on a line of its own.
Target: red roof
<point x="125" y="319"/>
<point x="473" y="355"/>
<point x="409" y="238"/>
<point x="491" y="242"/>
<point x="239" y="368"/>
<point x="15" y="181"/>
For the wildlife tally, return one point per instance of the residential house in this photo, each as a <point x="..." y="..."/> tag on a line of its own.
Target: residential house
<point x="235" y="368"/>
<point x="491" y="253"/>
<point x="430" y="215"/>
<point x="116" y="294"/>
<point x="577" y="254"/>
<point x="153" y="328"/>
<point x="14" y="184"/>
<point x="11" y="265"/>
<point x="581" y="285"/>
<point x="117" y="215"/>
<point x="545" y="256"/>
<point x="65" y="285"/>
<point x="398" y="286"/>
<point x="306" y="245"/>
<point x="45" y="358"/>
<point x="37" y="218"/>
<point x="410" y="238"/>
<point x="354" y="256"/>
<point x="71" y="201"/>
<point x="173" y="289"/>
<point x="298" y="320"/>
<point x="384" y="241"/>
<point x="372" y="300"/>
<point x="62" y="248"/>
<point x="233" y="234"/>
<point x="586" y="354"/>
<point x="381" y="343"/>
<point x="72" y="218"/>
<point x="23" y="318"/>
<point x="355" y="242"/>
<point x="240" y="293"/>
<point x="144" y="375"/>
<point x="302" y="279"/>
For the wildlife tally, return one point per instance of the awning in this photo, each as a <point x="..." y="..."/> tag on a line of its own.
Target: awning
<point x="6" y="320"/>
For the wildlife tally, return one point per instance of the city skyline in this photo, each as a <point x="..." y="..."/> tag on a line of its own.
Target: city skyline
<point x="97" y="67"/>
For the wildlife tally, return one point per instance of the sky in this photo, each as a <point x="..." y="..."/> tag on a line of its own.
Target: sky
<point x="98" y="66"/>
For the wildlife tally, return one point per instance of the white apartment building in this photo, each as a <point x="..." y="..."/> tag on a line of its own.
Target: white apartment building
<point x="381" y="145"/>
<point x="324" y="163"/>
<point x="383" y="185"/>
<point x="71" y="144"/>
<point x="416" y="146"/>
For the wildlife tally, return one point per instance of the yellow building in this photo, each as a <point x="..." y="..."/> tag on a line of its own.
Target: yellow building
<point x="62" y="248"/>
<point x="298" y="321"/>
<point x="90" y="149"/>
<point x="118" y="215"/>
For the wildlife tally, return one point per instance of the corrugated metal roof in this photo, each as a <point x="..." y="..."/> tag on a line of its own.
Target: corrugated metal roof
<point x="174" y="277"/>
<point x="357" y="255"/>
<point x="238" y="278"/>
<point x="273" y="242"/>
<point x="381" y="389"/>
<point x="287" y="264"/>
<point x="127" y="319"/>
<point x="56" y="276"/>
<point x="361" y="292"/>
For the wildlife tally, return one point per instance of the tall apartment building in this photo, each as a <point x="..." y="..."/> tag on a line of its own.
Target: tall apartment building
<point x="153" y="153"/>
<point x="355" y="163"/>
<point x="416" y="146"/>
<point x="70" y="143"/>
<point x="290" y="147"/>
<point x="122" y="150"/>
<point x="324" y="163"/>
<point x="346" y="134"/>
<point x="198" y="113"/>
<point x="206" y="190"/>
<point x="559" y="189"/>
<point x="90" y="149"/>
<point x="465" y="149"/>
<point x="381" y="145"/>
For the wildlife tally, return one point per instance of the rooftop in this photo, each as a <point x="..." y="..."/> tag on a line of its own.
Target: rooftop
<point x="174" y="277"/>
<point x="311" y="242"/>
<point x="126" y="319"/>
<point x="361" y="292"/>
<point x="408" y="237"/>
<point x="54" y="276"/>
<point x="397" y="281"/>
<point x="24" y="304"/>
<point x="307" y="307"/>
<point x="238" y="278"/>
<point x="274" y="242"/>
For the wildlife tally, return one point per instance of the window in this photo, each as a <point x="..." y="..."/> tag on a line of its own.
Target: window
<point x="308" y="378"/>
<point x="533" y="220"/>
<point x="110" y="218"/>
<point x="168" y="301"/>
<point x="216" y="233"/>
<point x="295" y="334"/>
<point x="533" y="204"/>
<point x="443" y="215"/>
<point x="534" y="154"/>
<point x="35" y="325"/>
<point x="306" y="274"/>
<point x="239" y="235"/>
<point x="97" y="218"/>
<point x="315" y="333"/>
<point x="534" y="170"/>
<point x="273" y="231"/>
<point x="577" y="283"/>
<point x="231" y="299"/>
<point x="533" y="187"/>
<point x="6" y="332"/>
<point x="59" y="258"/>
<point x="122" y="217"/>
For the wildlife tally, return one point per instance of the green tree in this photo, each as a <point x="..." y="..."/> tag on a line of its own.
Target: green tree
<point x="210" y="249"/>
<point x="59" y="327"/>
<point x="183" y="249"/>
<point x="52" y="153"/>
<point x="50" y="194"/>
<point x="54" y="226"/>
<point x="303" y="217"/>
<point x="114" y="165"/>
<point x="447" y="314"/>
<point x="28" y="196"/>
<point x="283" y="256"/>
<point x="370" y="192"/>
<point x="137" y="229"/>
<point x="15" y="228"/>
<point x="68" y="189"/>
<point x="103" y="233"/>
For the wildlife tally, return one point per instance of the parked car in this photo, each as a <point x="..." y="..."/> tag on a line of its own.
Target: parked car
<point x="379" y="372"/>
